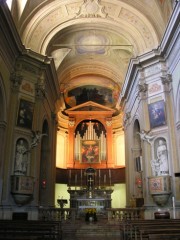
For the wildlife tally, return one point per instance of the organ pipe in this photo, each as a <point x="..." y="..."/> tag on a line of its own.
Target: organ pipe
<point x="90" y="130"/>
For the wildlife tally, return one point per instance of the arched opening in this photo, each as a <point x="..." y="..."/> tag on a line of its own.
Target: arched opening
<point x="138" y="164"/>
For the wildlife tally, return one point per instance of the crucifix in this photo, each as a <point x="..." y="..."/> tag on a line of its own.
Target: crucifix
<point x="90" y="181"/>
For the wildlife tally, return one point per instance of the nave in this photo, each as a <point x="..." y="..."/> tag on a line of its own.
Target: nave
<point x="103" y="229"/>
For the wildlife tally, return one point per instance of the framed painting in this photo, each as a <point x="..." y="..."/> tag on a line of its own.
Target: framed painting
<point x="25" y="114"/>
<point x="90" y="151"/>
<point x="157" y="114"/>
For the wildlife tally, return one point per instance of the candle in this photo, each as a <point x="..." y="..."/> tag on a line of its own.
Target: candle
<point x="99" y="173"/>
<point x="104" y="178"/>
<point x="109" y="173"/>
<point x="69" y="177"/>
<point x="75" y="179"/>
<point x="173" y="202"/>
<point x="81" y="173"/>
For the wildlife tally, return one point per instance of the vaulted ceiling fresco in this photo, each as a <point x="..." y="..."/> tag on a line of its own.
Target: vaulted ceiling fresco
<point x="91" y="42"/>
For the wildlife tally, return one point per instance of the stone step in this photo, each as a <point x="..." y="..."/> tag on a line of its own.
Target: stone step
<point x="91" y="231"/>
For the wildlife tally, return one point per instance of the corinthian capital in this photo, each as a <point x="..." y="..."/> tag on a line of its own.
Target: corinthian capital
<point x="167" y="79"/>
<point x="142" y="87"/>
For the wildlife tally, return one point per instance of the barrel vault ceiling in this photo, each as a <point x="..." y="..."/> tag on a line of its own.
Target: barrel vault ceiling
<point x="91" y="41"/>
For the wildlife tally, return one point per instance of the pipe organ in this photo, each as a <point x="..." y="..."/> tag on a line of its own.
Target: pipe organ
<point x="90" y="131"/>
<point x="90" y="137"/>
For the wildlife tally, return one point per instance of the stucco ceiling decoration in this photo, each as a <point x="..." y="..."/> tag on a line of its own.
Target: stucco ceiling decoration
<point x="91" y="41"/>
<point x="91" y="8"/>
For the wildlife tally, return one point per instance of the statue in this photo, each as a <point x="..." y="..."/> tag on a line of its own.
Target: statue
<point x="36" y="138"/>
<point x="155" y="164"/>
<point x="21" y="160"/>
<point x="163" y="157"/>
<point x="160" y="165"/>
<point x="145" y="136"/>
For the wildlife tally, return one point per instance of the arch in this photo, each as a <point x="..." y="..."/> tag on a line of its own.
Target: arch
<point x="28" y="30"/>
<point x="137" y="150"/>
<point x="136" y="137"/>
<point x="137" y="160"/>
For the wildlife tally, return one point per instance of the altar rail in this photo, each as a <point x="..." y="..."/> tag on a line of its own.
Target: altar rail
<point x="57" y="214"/>
<point x="121" y="214"/>
<point x="71" y="214"/>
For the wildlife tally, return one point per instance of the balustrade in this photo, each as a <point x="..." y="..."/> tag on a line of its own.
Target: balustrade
<point x="70" y="214"/>
<point x="57" y="214"/>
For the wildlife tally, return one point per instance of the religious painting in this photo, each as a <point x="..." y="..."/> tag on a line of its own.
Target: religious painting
<point x="157" y="114"/>
<point x="25" y="114"/>
<point x="101" y="95"/>
<point x="90" y="151"/>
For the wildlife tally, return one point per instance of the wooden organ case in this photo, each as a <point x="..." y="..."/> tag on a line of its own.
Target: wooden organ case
<point x="90" y="136"/>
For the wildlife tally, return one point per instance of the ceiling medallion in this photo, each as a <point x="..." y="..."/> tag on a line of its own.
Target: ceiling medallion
<point x="91" y="8"/>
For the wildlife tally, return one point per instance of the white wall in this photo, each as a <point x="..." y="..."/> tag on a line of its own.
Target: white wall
<point x="60" y="151"/>
<point x="118" y="195"/>
<point x="61" y="192"/>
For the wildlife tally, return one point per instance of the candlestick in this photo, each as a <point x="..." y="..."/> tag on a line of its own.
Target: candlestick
<point x="174" y="210"/>
<point x="81" y="178"/>
<point x="104" y="179"/>
<point x="75" y="179"/>
<point x="69" y="177"/>
<point x="173" y="202"/>
<point x="110" y="177"/>
<point x="109" y="173"/>
<point x="99" y="177"/>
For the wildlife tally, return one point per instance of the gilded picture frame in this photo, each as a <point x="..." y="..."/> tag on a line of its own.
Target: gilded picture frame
<point x="157" y="114"/>
<point x="25" y="114"/>
<point x="90" y="151"/>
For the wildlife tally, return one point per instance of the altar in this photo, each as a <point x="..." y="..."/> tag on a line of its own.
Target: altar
<point x="90" y="196"/>
<point x="99" y="199"/>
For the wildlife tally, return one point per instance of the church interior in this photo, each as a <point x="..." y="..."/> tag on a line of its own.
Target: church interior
<point x="90" y="110"/>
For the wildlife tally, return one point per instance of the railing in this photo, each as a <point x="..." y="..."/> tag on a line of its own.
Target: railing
<point x="122" y="214"/>
<point x="57" y="214"/>
<point x="70" y="214"/>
